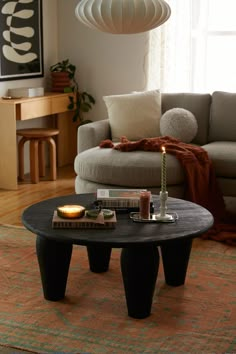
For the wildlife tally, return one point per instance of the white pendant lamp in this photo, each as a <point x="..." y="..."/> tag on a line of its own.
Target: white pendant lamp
<point x="123" y="16"/>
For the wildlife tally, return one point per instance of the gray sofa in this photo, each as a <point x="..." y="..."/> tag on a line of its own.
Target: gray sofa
<point x="103" y="168"/>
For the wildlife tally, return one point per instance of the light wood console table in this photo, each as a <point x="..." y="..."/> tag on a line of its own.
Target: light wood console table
<point x="12" y="110"/>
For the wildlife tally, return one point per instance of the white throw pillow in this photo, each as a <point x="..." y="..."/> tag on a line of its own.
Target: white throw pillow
<point x="180" y="124"/>
<point x="135" y="115"/>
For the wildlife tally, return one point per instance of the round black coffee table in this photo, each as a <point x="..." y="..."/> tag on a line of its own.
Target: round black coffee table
<point x="139" y="241"/>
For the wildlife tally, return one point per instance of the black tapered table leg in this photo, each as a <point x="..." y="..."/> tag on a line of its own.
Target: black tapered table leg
<point x="175" y="257"/>
<point x="139" y="267"/>
<point x="99" y="258"/>
<point x="54" y="262"/>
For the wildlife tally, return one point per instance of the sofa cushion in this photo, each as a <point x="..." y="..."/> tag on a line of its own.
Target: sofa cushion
<point x="85" y="186"/>
<point x="223" y="156"/>
<point x="179" y="123"/>
<point x="223" y="119"/>
<point x="135" y="115"/>
<point x="134" y="169"/>
<point x="197" y="103"/>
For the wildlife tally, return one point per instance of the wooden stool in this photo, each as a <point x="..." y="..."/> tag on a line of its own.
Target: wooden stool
<point x="36" y="138"/>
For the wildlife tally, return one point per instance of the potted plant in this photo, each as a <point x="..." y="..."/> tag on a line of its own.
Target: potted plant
<point x="79" y="102"/>
<point x="62" y="73"/>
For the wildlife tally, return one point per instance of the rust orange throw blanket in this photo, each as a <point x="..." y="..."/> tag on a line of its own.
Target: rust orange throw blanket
<point x="202" y="187"/>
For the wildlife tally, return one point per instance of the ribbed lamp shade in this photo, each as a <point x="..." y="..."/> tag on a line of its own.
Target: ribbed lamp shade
<point x="123" y="16"/>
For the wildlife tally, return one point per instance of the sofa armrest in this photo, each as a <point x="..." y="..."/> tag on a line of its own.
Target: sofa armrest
<point x="90" y="135"/>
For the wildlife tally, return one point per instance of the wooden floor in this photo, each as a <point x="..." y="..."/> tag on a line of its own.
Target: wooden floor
<point x="12" y="203"/>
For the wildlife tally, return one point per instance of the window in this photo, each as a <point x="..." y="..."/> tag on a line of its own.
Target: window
<point x="195" y="50"/>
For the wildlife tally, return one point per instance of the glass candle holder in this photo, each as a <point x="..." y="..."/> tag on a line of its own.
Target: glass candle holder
<point x="144" y="204"/>
<point x="70" y="211"/>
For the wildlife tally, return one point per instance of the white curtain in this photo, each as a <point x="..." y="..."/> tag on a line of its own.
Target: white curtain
<point x="170" y="50"/>
<point x="195" y="50"/>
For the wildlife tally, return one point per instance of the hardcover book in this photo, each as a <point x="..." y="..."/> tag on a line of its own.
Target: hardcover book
<point x="84" y="223"/>
<point x="120" y="198"/>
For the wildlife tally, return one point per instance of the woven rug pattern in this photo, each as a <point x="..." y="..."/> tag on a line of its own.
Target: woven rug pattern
<point x="199" y="317"/>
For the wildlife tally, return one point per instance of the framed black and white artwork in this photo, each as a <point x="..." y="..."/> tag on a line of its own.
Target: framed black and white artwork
<point x="21" y="39"/>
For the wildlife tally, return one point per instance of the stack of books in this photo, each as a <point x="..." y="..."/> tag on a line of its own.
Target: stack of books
<point x="120" y="199"/>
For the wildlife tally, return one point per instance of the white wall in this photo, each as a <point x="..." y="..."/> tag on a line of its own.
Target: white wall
<point x="106" y="63"/>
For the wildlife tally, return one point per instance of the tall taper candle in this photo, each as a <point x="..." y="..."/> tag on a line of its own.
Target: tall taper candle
<point x="163" y="170"/>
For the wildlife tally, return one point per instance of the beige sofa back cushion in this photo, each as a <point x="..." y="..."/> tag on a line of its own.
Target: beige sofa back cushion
<point x="198" y="104"/>
<point x="223" y="117"/>
<point x="136" y="115"/>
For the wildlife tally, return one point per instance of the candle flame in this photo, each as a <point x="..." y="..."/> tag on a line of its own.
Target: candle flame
<point x="163" y="149"/>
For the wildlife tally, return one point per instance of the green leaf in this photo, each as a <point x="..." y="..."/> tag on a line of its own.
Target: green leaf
<point x="75" y="117"/>
<point x="91" y="99"/>
<point x="71" y="106"/>
<point x="67" y="89"/>
<point x="86" y="121"/>
<point x="71" y="98"/>
<point x="85" y="107"/>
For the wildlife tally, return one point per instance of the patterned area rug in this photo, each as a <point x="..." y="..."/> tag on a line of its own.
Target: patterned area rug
<point x="199" y="317"/>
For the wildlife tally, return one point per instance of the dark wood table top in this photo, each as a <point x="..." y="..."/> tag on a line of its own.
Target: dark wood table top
<point x="193" y="221"/>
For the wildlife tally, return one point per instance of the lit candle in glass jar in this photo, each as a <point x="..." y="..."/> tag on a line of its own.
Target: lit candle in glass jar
<point x="70" y="211"/>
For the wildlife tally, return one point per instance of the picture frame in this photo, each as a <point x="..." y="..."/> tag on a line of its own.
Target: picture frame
<point x="21" y="40"/>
